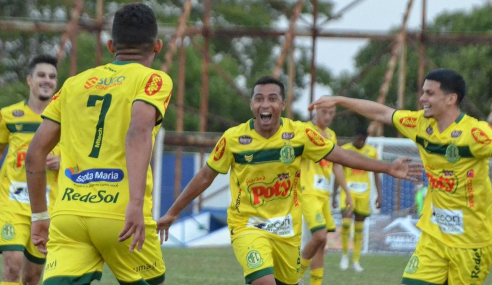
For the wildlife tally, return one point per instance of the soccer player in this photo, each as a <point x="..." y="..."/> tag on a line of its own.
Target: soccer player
<point x="264" y="156"/>
<point x="18" y="123"/>
<point x="315" y="182"/>
<point x="455" y="245"/>
<point x="92" y="115"/>
<point x="359" y="183"/>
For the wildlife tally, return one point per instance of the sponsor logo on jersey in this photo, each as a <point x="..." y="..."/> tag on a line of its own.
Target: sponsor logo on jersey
<point x="18" y="113"/>
<point x="248" y="158"/>
<point x="287" y="136"/>
<point x="90" y="82"/>
<point x="409" y="122"/>
<point x="94" y="175"/>
<point x="469" y="192"/>
<point x="166" y="102"/>
<point x="245" y="139"/>
<point x="220" y="149"/>
<point x="477" y="258"/>
<point x="279" y="188"/>
<point x="57" y="94"/>
<point x="254" y="259"/>
<point x="100" y="197"/>
<point x="145" y="267"/>
<point x="449" y="221"/>
<point x="456" y="134"/>
<point x="109" y="82"/>
<point x="446" y="181"/>
<point x="50" y="266"/>
<point x="153" y="85"/>
<point x="429" y="130"/>
<point x="315" y="138"/>
<point x="281" y="226"/>
<point x="480" y="136"/>
<point x="470" y="173"/>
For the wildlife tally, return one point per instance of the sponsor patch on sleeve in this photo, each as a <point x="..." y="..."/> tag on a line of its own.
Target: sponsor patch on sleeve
<point x="220" y="149"/>
<point x="409" y="122"/>
<point x="315" y="138"/>
<point x="153" y="85"/>
<point x="480" y="136"/>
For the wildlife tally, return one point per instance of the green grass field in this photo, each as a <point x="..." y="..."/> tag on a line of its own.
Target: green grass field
<point x="218" y="266"/>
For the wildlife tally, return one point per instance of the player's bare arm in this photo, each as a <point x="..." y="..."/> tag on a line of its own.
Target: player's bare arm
<point x="369" y="109"/>
<point x="399" y="168"/>
<point x="340" y="180"/>
<point x="45" y="139"/>
<point x="199" y="183"/>
<point x="377" y="181"/>
<point x="138" y="145"/>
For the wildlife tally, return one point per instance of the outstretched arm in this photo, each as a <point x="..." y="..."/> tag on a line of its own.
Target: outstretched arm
<point x="398" y="168"/>
<point x="377" y="181"/>
<point x="369" y="109"/>
<point x="199" y="183"/>
<point x="340" y="180"/>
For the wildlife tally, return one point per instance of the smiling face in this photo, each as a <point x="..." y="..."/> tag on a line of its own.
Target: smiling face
<point x="267" y="105"/>
<point x="436" y="102"/>
<point x="43" y="81"/>
<point x="324" y="116"/>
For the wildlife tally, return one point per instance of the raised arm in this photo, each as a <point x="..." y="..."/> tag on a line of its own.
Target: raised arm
<point x="398" y="168"/>
<point x="199" y="183"/>
<point x="369" y="109"/>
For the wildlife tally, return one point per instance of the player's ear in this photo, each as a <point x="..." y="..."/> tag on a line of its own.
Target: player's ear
<point x="158" y="46"/>
<point x="110" y="46"/>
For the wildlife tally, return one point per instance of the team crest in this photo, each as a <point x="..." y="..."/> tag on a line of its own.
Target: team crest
<point x="287" y="155"/>
<point x="18" y="127"/>
<point x="319" y="218"/>
<point x="18" y="113"/>
<point x="429" y="130"/>
<point x="254" y="259"/>
<point x="452" y="153"/>
<point x="456" y="134"/>
<point x="413" y="265"/>
<point x="248" y="158"/>
<point x="8" y="232"/>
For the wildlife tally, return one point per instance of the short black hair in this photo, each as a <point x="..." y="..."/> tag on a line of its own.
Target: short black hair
<point x="134" y="26"/>
<point x="42" y="58"/>
<point x="269" y="80"/>
<point x="451" y="81"/>
<point x="361" y="131"/>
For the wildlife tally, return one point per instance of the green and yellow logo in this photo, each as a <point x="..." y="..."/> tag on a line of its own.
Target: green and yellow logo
<point x="8" y="231"/>
<point x="254" y="259"/>
<point x="413" y="265"/>
<point x="452" y="153"/>
<point x="287" y="154"/>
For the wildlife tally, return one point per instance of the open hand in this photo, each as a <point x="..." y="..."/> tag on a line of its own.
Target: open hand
<point x="39" y="234"/>
<point x="134" y="226"/>
<point x="163" y="225"/>
<point x="323" y="102"/>
<point x="401" y="168"/>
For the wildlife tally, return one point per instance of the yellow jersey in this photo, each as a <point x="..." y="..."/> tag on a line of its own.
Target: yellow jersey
<point x="94" y="111"/>
<point x="359" y="181"/>
<point x="18" y="123"/>
<point x="316" y="176"/>
<point x="264" y="176"/>
<point x="458" y="206"/>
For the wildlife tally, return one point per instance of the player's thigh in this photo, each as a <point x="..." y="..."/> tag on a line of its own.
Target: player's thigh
<point x="72" y="258"/>
<point x="312" y="211"/>
<point x="427" y="264"/>
<point x="362" y="205"/>
<point x="254" y="253"/>
<point x="469" y="266"/>
<point x="287" y="261"/>
<point x="128" y="267"/>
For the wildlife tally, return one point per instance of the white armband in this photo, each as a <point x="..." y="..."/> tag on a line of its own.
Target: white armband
<point x="40" y="216"/>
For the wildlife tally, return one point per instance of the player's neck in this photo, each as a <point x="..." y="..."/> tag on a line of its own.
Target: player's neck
<point x="134" y="55"/>
<point x="444" y="121"/>
<point x="37" y="105"/>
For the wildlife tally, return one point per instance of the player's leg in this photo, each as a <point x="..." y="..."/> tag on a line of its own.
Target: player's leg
<point x="12" y="264"/>
<point x="286" y="258"/>
<point x="358" y="240"/>
<point x="72" y="258"/>
<point x="138" y="267"/>
<point x="32" y="264"/>
<point x="428" y="264"/>
<point x="469" y="265"/>
<point x="345" y="231"/>
<point x="253" y="251"/>
<point x="315" y="219"/>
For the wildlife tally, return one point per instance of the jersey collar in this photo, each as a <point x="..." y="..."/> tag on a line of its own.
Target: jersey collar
<point x="459" y="118"/>
<point x="121" y="62"/>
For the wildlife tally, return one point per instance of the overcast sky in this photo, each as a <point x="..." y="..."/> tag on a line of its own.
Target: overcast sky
<point x="371" y="15"/>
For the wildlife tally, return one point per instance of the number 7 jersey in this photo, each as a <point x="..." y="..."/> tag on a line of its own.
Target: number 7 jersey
<point x="94" y="111"/>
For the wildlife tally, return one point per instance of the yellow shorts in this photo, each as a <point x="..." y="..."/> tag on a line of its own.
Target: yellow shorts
<point x="435" y="263"/>
<point x="361" y="203"/>
<point x="317" y="212"/>
<point x="16" y="236"/>
<point x="259" y="254"/>
<point x="79" y="246"/>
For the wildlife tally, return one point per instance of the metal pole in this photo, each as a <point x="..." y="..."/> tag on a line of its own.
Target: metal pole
<point x="313" y="54"/>
<point x="100" y="22"/>
<point x="180" y="117"/>
<point x="420" y="80"/>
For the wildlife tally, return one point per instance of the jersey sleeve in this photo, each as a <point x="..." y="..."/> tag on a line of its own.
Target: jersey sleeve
<point x="315" y="146"/>
<point x="221" y="157"/>
<point x="4" y="132"/>
<point x="53" y="110"/>
<point x="406" y="122"/>
<point x="156" y="91"/>
<point x="482" y="140"/>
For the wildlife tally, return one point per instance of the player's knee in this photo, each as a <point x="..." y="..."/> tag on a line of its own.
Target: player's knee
<point x="11" y="271"/>
<point x="319" y="238"/>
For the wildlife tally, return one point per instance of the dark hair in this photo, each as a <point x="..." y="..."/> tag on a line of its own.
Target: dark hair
<point x="42" y="58"/>
<point x="361" y="132"/>
<point x="134" y="26"/>
<point x="270" y="80"/>
<point x="451" y="81"/>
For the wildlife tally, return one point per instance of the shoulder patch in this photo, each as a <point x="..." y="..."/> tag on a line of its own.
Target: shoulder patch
<point x="480" y="136"/>
<point x="287" y="136"/>
<point x="245" y="139"/>
<point x="18" y="113"/>
<point x="315" y="138"/>
<point x="409" y="122"/>
<point x="153" y="85"/>
<point x="220" y="149"/>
